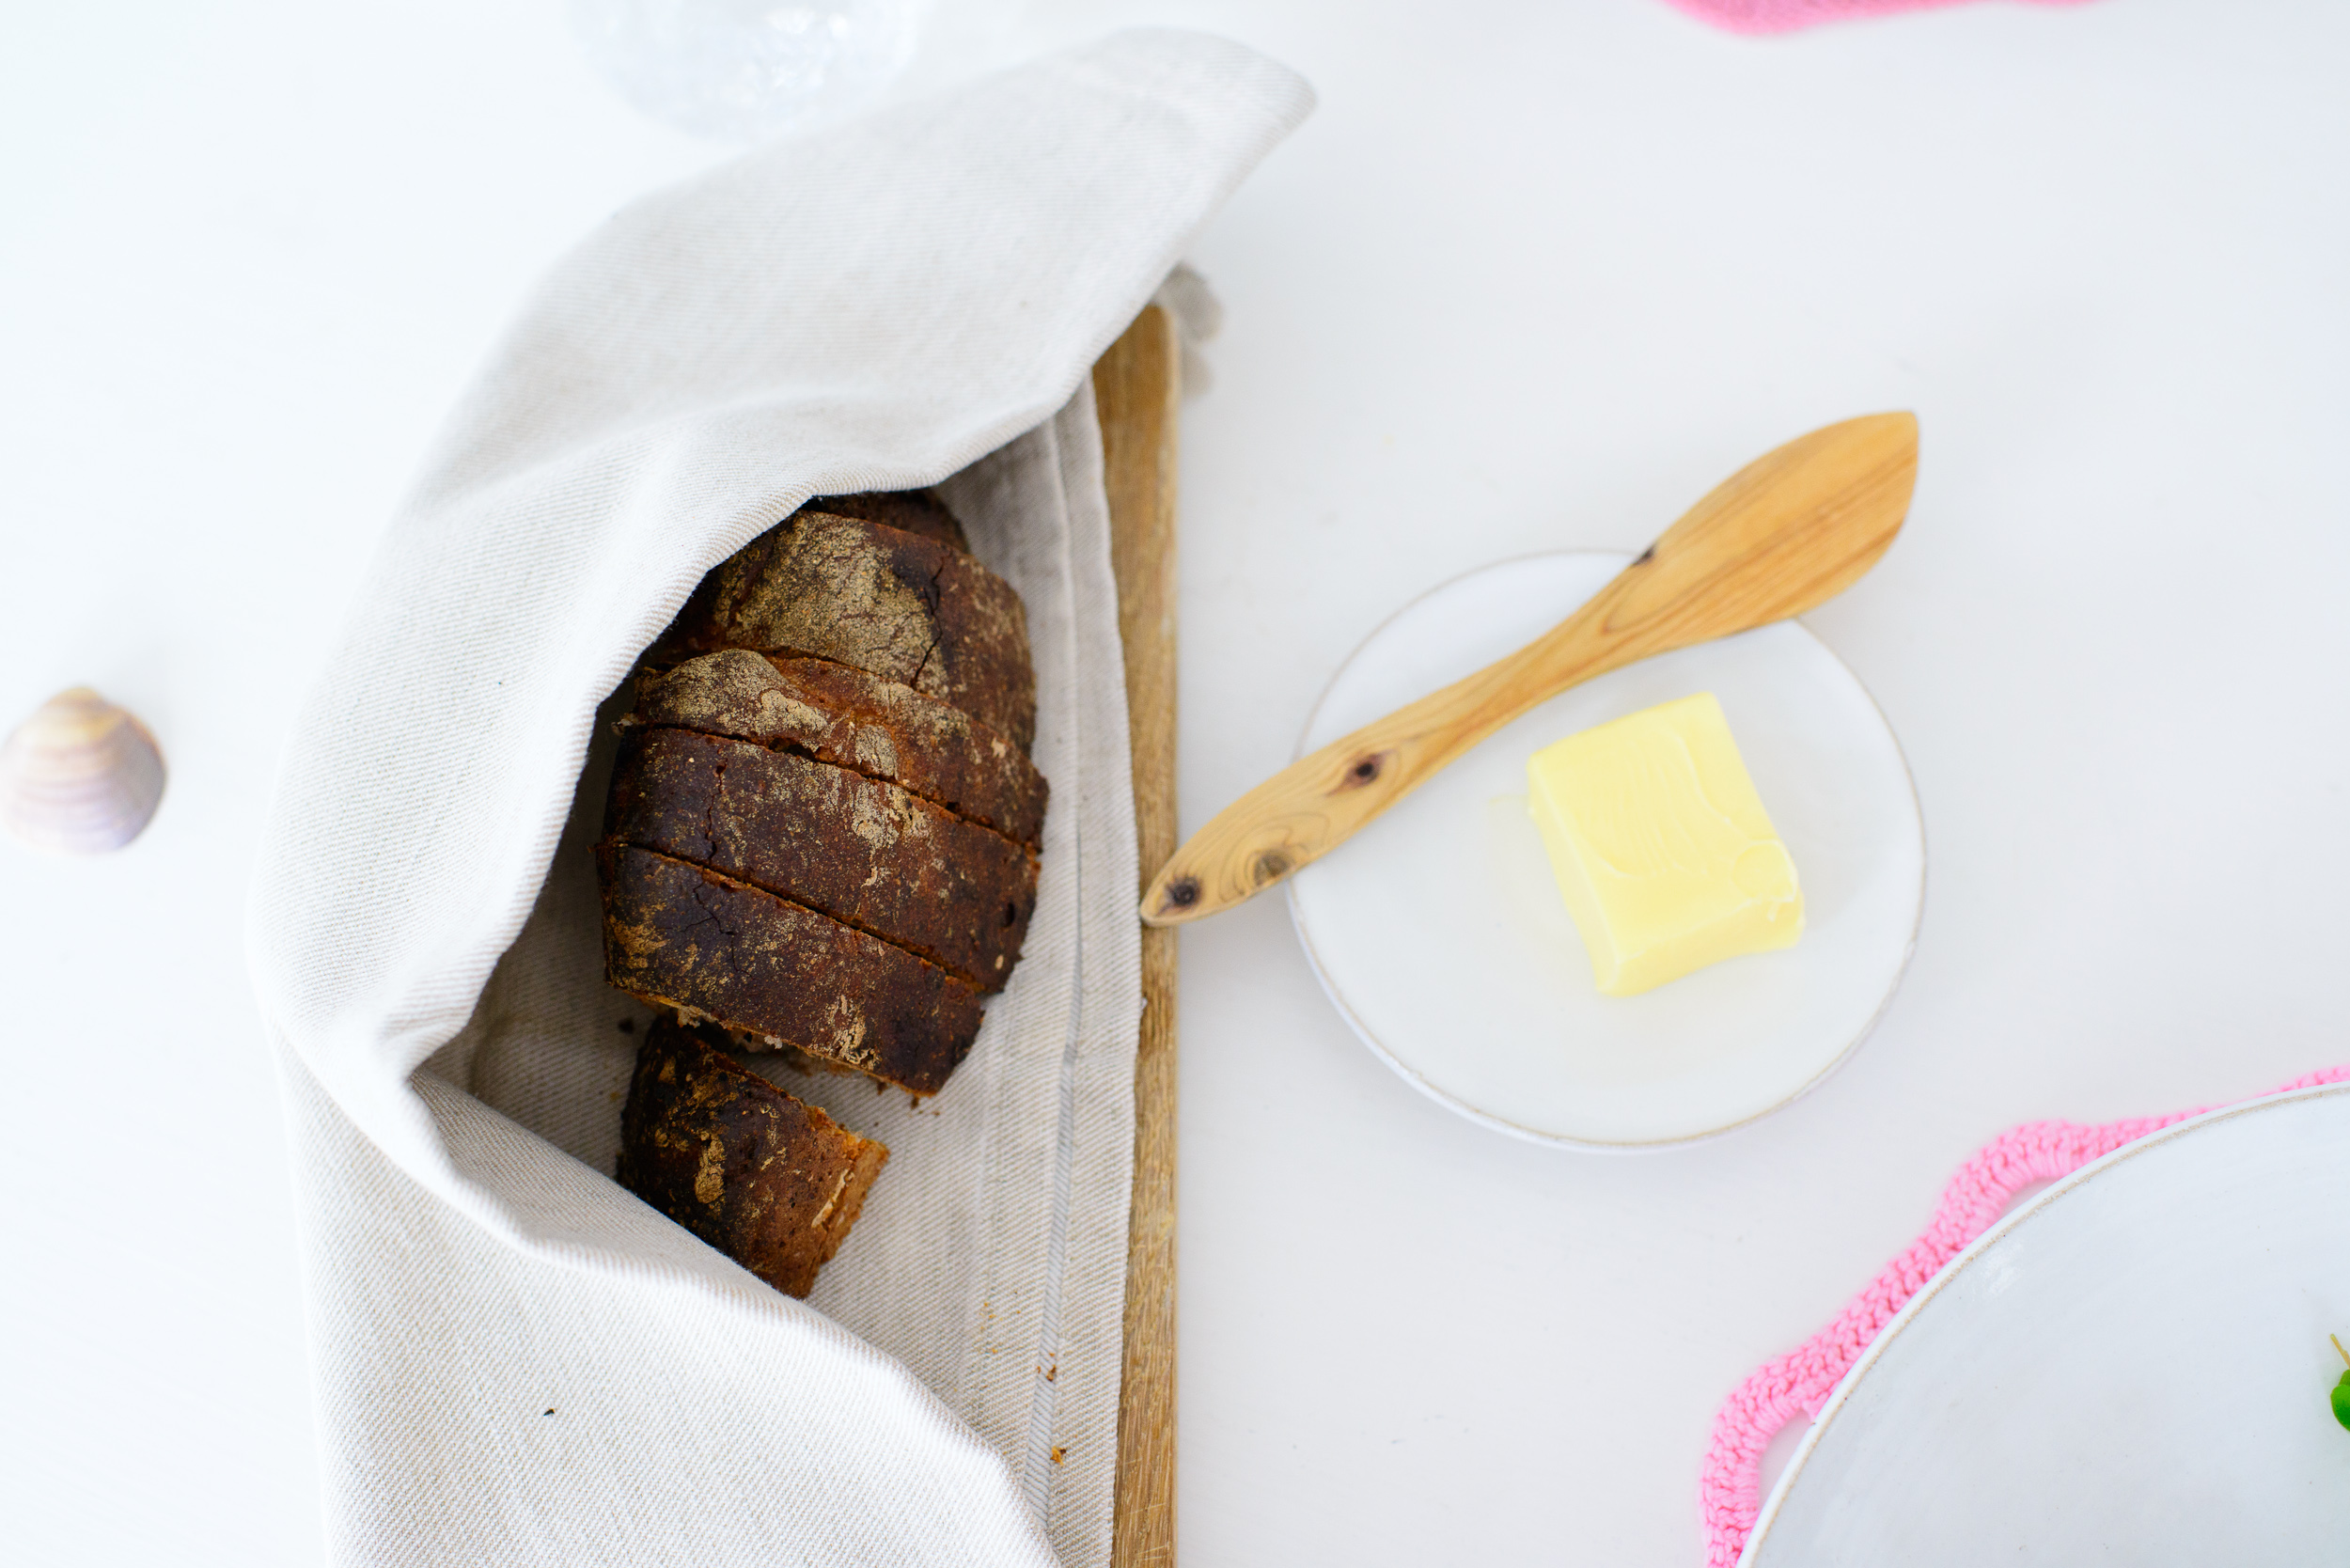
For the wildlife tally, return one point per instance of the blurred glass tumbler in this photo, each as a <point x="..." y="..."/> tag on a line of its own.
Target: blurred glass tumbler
<point x="744" y="70"/>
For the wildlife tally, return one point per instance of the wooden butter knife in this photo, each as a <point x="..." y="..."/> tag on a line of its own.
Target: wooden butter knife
<point x="1789" y="531"/>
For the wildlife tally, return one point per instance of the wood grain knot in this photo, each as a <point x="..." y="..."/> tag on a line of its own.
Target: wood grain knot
<point x="1183" y="892"/>
<point x="1269" y="866"/>
<point x="1365" y="770"/>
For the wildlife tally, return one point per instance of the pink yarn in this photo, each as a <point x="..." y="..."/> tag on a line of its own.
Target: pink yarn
<point x="1799" y="1383"/>
<point x="1785" y="16"/>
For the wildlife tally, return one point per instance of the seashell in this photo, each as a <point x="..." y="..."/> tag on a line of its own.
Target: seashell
<point x="81" y="777"/>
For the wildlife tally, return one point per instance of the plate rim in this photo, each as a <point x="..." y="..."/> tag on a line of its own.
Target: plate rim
<point x="2006" y="1225"/>
<point x="1560" y="1140"/>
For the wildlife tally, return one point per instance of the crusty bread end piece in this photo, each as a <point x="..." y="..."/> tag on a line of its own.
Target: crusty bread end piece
<point x="916" y="512"/>
<point x="773" y="1183"/>
<point x="881" y="599"/>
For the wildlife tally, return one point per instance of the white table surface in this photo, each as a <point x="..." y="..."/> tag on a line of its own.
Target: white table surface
<point x="1534" y="276"/>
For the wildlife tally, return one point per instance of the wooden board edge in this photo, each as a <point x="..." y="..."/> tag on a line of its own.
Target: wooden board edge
<point x="1137" y="394"/>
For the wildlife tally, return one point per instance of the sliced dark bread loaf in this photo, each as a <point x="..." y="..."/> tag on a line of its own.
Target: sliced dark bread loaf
<point x="822" y="828"/>
<point x="853" y="720"/>
<point x="862" y="851"/>
<point x="768" y="1181"/>
<point x="916" y="511"/>
<point x="705" y="946"/>
<point x="881" y="599"/>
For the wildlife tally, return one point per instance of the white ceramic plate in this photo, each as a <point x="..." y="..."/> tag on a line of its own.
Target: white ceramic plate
<point x="1440" y="934"/>
<point x="2132" y="1369"/>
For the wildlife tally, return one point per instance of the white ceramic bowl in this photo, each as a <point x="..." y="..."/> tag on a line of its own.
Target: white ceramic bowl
<point x="1439" y="933"/>
<point x="2134" y="1368"/>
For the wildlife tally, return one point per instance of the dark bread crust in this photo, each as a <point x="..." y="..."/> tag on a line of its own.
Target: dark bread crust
<point x="892" y="603"/>
<point x="850" y="719"/>
<point x="677" y="936"/>
<point x="864" y="852"/>
<point x="770" y="1181"/>
<point x="916" y="512"/>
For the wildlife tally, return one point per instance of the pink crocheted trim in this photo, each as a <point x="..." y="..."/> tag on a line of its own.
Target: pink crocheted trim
<point x="1785" y="16"/>
<point x="1799" y="1383"/>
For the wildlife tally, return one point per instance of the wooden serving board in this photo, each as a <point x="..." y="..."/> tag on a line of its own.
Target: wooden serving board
<point x="1137" y="387"/>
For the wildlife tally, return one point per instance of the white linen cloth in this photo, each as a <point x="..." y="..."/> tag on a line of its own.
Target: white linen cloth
<point x="517" y="1361"/>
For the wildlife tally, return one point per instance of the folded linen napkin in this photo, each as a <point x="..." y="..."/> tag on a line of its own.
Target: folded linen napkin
<point x="516" y="1360"/>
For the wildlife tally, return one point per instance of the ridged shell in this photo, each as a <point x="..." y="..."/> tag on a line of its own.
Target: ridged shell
<point x="81" y="777"/>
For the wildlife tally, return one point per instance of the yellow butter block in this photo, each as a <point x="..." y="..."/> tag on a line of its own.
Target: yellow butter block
<point x="1661" y="847"/>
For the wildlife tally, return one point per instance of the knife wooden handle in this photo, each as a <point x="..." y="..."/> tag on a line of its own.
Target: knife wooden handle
<point x="1792" y="529"/>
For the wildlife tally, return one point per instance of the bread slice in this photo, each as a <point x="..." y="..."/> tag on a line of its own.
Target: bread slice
<point x="864" y="852"/>
<point x="878" y="599"/>
<point x="853" y="720"/>
<point x="916" y="512"/>
<point x="709" y="947"/>
<point x="770" y="1181"/>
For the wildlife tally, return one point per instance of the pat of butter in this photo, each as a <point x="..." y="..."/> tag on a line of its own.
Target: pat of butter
<point x="1662" y="849"/>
